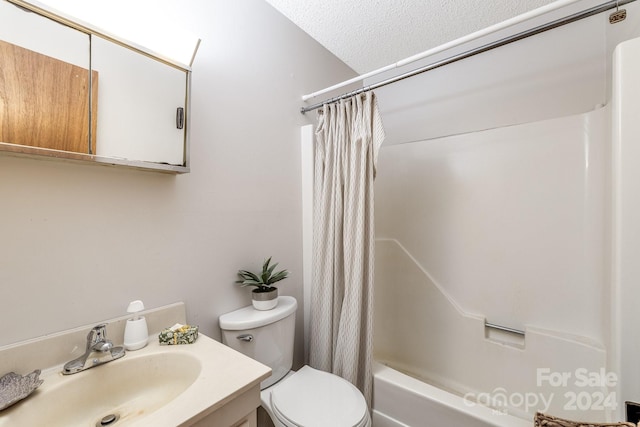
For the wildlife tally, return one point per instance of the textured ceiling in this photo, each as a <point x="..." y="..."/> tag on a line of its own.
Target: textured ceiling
<point x="369" y="34"/>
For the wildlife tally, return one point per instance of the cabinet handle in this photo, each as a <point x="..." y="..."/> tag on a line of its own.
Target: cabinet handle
<point x="180" y="118"/>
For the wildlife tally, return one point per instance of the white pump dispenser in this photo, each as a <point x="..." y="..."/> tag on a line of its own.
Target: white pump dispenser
<point x="136" y="334"/>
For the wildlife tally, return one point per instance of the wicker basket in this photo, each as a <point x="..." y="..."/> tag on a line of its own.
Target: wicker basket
<point x="543" y="420"/>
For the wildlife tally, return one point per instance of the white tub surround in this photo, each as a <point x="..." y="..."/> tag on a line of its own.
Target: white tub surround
<point x="506" y="226"/>
<point x="626" y="224"/>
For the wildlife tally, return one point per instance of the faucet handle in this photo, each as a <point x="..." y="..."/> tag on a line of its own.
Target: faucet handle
<point x="96" y="334"/>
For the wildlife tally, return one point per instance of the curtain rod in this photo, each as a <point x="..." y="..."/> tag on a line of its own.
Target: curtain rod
<point x="485" y="48"/>
<point x="457" y="42"/>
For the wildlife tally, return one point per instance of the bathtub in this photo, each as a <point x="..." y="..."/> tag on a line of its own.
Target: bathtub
<point x="400" y="401"/>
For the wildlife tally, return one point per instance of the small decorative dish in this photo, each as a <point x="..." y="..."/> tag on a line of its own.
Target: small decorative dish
<point x="14" y="387"/>
<point x="178" y="334"/>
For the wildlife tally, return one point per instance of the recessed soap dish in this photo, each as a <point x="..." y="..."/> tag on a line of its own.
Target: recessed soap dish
<point x="14" y="387"/>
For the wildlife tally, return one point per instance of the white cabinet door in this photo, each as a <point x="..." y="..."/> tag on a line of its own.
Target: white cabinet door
<point x="137" y="105"/>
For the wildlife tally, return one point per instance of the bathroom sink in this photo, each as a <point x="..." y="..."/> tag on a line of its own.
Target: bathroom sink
<point x="124" y="391"/>
<point x="159" y="385"/>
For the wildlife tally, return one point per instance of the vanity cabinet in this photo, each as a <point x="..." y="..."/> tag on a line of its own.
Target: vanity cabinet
<point x="71" y="91"/>
<point x="247" y="422"/>
<point x="213" y="420"/>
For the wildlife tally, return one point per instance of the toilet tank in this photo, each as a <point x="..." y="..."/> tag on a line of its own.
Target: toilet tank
<point x="266" y="336"/>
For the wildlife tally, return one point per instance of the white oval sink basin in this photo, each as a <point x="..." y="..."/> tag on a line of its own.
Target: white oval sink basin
<point x="130" y="388"/>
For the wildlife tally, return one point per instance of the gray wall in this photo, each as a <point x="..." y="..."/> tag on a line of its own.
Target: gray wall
<point x="79" y="242"/>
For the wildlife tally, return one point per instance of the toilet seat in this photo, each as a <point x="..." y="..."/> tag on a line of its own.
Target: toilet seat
<point x="312" y="398"/>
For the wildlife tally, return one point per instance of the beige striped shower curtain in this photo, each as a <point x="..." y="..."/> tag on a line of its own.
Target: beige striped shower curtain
<point x="348" y="138"/>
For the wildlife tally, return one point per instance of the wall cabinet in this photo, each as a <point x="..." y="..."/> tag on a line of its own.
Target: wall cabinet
<point x="70" y="91"/>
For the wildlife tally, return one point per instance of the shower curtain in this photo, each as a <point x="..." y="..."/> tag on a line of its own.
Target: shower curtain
<point x="348" y="138"/>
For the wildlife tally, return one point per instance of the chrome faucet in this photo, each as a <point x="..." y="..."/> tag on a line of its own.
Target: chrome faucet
<point x="99" y="350"/>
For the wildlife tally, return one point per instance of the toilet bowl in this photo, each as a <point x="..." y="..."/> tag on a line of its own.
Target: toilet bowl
<point x="306" y="398"/>
<point x="313" y="398"/>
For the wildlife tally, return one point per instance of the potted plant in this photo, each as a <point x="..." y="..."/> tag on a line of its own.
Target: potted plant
<point x="265" y="295"/>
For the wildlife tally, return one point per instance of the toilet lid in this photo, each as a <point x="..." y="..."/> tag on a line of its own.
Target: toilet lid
<point x="312" y="398"/>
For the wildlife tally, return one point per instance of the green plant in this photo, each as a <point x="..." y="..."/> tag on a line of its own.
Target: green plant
<point x="263" y="281"/>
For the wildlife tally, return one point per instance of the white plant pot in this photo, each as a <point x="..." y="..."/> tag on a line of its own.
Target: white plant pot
<point x="264" y="300"/>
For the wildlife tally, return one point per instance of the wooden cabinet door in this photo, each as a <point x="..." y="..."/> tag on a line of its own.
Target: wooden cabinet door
<point x="44" y="102"/>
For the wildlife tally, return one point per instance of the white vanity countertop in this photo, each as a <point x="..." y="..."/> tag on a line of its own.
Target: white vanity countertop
<point x="158" y="385"/>
<point x="223" y="376"/>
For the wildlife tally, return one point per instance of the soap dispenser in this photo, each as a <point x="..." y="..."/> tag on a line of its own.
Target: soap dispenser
<point x="136" y="333"/>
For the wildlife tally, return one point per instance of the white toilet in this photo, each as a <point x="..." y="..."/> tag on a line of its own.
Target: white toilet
<point x="306" y="398"/>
